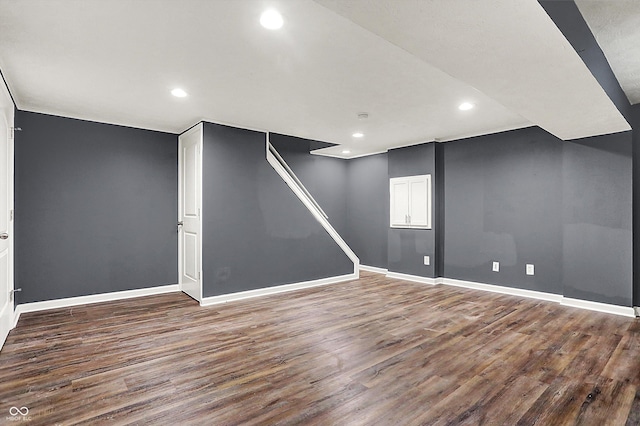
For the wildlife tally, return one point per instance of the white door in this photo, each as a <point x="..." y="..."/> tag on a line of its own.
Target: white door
<point x="6" y="204"/>
<point x="189" y="206"/>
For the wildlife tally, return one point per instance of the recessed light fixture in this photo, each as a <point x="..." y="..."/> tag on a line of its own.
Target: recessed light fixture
<point x="346" y="151"/>
<point x="271" y="19"/>
<point x="178" y="93"/>
<point x="357" y="135"/>
<point x="465" y="106"/>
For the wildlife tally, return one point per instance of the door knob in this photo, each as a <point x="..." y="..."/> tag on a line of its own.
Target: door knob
<point x="4" y="236"/>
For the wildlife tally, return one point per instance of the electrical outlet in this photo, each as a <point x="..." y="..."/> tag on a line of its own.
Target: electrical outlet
<point x="496" y="267"/>
<point x="530" y="269"/>
<point x="427" y="260"/>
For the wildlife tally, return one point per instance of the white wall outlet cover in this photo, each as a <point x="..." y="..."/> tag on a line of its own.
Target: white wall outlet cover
<point x="530" y="269"/>
<point x="427" y="260"/>
<point x="496" y="267"/>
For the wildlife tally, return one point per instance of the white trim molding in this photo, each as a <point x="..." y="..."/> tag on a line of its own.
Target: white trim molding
<point x="539" y="295"/>
<point x="626" y="311"/>
<point x="224" y="298"/>
<point x="550" y="297"/>
<point x="16" y="317"/>
<point x="374" y="269"/>
<point x="414" y="278"/>
<point x="93" y="298"/>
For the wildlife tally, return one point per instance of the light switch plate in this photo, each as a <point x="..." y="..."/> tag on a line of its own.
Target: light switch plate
<point x="496" y="267"/>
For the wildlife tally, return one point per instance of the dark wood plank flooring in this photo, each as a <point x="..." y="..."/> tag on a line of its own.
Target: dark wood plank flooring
<point x="374" y="351"/>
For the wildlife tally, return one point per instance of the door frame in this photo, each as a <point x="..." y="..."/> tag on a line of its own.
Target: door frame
<point x="9" y="322"/>
<point x="198" y="128"/>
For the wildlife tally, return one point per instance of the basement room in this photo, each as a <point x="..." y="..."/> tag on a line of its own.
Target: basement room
<point x="319" y="212"/>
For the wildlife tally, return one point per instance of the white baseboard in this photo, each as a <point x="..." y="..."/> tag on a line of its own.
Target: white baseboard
<point x="373" y="269"/>
<point x="626" y="311"/>
<point x="119" y="295"/>
<point x="539" y="295"/>
<point x="93" y="298"/>
<point x="414" y="278"/>
<point x="224" y="298"/>
<point x="551" y="297"/>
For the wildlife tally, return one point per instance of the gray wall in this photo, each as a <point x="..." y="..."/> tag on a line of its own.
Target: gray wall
<point x="96" y="208"/>
<point x="597" y="256"/>
<point x="368" y="209"/>
<point x="526" y="197"/>
<point x="504" y="203"/>
<point x="515" y="197"/>
<point x="256" y="233"/>
<point x="407" y="247"/>
<point x="568" y="19"/>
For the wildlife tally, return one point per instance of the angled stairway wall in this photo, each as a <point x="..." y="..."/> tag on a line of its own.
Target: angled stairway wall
<point x="256" y="232"/>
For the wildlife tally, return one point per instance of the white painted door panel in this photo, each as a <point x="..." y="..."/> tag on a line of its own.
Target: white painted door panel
<point x="399" y="191"/>
<point x="189" y="248"/>
<point x="191" y="256"/>
<point x="190" y="156"/>
<point x="418" y="196"/>
<point x="6" y="204"/>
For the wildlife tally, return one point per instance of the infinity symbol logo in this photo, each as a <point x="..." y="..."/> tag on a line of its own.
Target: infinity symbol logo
<point x="14" y="411"/>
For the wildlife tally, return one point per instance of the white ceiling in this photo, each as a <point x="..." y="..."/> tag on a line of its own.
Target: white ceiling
<point x="616" y="26"/>
<point x="408" y="63"/>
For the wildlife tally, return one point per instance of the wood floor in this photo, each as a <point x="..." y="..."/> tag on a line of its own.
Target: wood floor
<point x="375" y="351"/>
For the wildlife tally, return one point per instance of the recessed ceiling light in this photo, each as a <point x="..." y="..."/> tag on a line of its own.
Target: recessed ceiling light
<point x="346" y="151"/>
<point x="271" y="19"/>
<point x="357" y="135"/>
<point x="465" y="106"/>
<point x="178" y="93"/>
